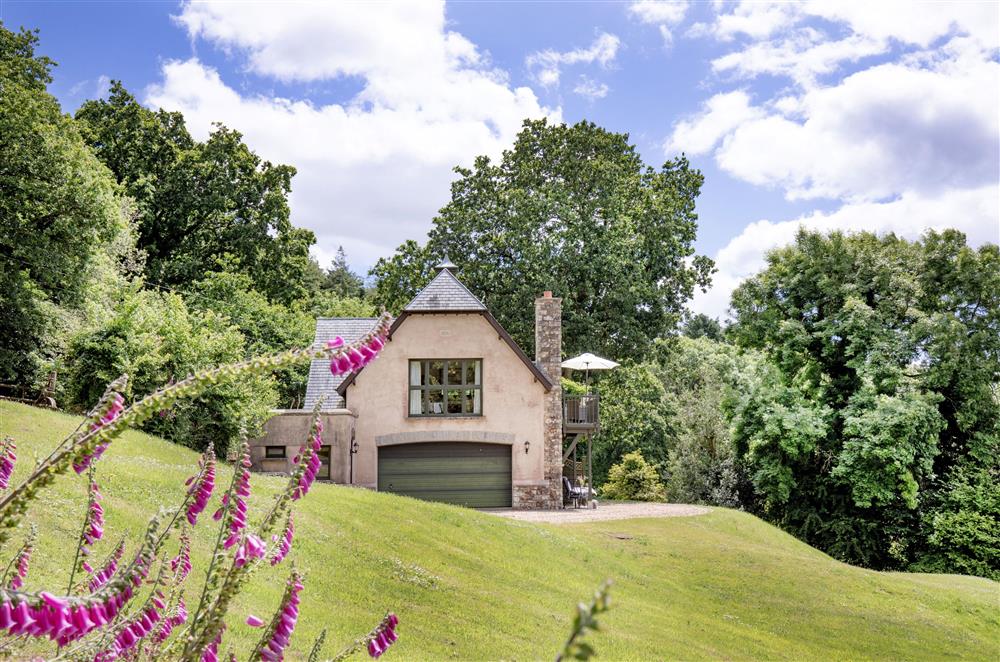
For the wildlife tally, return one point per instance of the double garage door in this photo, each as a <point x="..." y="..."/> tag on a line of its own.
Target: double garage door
<point x="462" y="473"/>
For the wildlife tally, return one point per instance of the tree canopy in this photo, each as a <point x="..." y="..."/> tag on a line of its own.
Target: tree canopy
<point x="199" y="202"/>
<point x="571" y="209"/>
<point x="877" y="403"/>
<point x="60" y="212"/>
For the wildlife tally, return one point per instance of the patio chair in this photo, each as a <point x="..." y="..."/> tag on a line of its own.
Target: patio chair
<point x="572" y="494"/>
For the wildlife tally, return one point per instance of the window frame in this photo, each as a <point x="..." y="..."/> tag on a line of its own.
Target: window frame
<point x="444" y="387"/>
<point x="268" y="456"/>
<point x="325" y="452"/>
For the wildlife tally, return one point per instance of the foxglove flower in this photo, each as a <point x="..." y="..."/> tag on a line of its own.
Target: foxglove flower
<point x="285" y="544"/>
<point x="254" y="621"/>
<point x="211" y="654"/>
<point x="383" y="636"/>
<point x="180" y="565"/>
<point x="7" y="459"/>
<point x="278" y="637"/>
<point x="114" y="406"/>
<point x="93" y="529"/>
<point x="252" y="548"/>
<point x="310" y="453"/>
<point x="168" y="624"/>
<point x="357" y="355"/>
<point x="237" y="513"/>
<point x="201" y="490"/>
<point x="131" y="634"/>
<point x="101" y="577"/>
<point x="21" y="562"/>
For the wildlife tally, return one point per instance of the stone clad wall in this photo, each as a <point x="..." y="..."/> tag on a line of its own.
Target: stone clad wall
<point x="548" y="356"/>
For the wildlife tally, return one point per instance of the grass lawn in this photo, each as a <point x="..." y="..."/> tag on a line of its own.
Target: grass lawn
<point x="469" y="585"/>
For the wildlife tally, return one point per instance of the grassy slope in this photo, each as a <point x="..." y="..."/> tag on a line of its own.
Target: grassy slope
<point x="471" y="585"/>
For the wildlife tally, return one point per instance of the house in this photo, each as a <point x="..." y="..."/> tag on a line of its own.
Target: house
<point x="452" y="410"/>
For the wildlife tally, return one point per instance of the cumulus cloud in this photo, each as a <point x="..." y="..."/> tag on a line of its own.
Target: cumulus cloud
<point x="907" y="142"/>
<point x="719" y="116"/>
<point x="973" y="211"/>
<point x="665" y="14"/>
<point x="546" y="66"/>
<point x="372" y="170"/>
<point x="590" y="88"/>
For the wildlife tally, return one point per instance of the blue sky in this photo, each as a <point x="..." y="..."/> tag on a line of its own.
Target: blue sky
<point x="829" y="115"/>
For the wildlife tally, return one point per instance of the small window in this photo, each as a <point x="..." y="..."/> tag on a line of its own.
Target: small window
<point x="324" y="463"/>
<point x="446" y="387"/>
<point x="274" y="452"/>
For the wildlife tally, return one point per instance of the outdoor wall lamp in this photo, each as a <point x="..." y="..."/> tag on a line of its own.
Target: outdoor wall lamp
<point x="527" y="445"/>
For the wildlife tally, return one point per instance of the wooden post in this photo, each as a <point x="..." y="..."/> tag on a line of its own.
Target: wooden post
<point x="590" y="472"/>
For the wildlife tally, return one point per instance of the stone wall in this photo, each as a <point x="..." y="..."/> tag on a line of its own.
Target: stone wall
<point x="533" y="497"/>
<point x="548" y="357"/>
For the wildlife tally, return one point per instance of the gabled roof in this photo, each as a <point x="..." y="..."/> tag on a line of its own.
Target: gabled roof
<point x="444" y="293"/>
<point x="321" y="382"/>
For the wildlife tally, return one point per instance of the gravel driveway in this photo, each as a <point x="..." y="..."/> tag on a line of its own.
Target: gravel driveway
<point x="604" y="511"/>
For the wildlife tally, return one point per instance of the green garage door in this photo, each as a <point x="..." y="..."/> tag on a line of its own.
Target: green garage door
<point x="463" y="473"/>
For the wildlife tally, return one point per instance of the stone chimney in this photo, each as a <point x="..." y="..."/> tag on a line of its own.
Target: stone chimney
<point x="548" y="356"/>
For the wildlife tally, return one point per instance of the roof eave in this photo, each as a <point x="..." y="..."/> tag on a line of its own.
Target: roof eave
<point x="540" y="376"/>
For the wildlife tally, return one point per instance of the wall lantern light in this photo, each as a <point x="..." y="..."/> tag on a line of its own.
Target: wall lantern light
<point x="527" y="445"/>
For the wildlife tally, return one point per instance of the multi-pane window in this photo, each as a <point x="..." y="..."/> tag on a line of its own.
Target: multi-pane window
<point x="446" y="387"/>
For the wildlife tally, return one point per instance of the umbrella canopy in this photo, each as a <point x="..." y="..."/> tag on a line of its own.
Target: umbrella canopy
<point x="589" y="362"/>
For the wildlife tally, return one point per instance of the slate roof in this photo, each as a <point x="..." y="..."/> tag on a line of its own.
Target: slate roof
<point x="445" y="292"/>
<point x="321" y="382"/>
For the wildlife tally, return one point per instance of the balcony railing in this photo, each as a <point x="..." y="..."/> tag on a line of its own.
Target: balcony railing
<point x="581" y="412"/>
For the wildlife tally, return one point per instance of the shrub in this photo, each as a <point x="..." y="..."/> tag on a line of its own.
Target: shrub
<point x="633" y="479"/>
<point x="155" y="339"/>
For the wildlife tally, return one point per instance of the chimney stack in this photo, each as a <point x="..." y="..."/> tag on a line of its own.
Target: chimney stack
<point x="548" y="357"/>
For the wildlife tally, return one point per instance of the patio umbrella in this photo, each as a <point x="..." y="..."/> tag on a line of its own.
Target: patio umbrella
<point x="588" y="362"/>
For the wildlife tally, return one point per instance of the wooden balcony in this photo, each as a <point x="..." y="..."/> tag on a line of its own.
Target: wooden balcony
<point x="581" y="413"/>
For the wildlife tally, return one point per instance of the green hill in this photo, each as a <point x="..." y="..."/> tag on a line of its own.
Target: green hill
<point x="469" y="585"/>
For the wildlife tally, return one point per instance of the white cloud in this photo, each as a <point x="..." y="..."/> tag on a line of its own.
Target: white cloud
<point x="802" y="57"/>
<point x="973" y="211"/>
<point x="880" y="132"/>
<point x="658" y="11"/>
<point x="720" y="115"/>
<point x="908" y="143"/>
<point x="372" y="171"/>
<point x="590" y="88"/>
<point x="665" y="14"/>
<point x="546" y="66"/>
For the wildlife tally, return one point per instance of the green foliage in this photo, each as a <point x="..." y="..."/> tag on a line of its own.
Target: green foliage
<point x="341" y="281"/>
<point x="702" y="326"/>
<point x="571" y="209"/>
<point x="156" y="339"/>
<point x="699" y="377"/>
<point x="327" y="304"/>
<point x="864" y="430"/>
<point x="584" y="621"/>
<point x="200" y="201"/>
<point x="266" y="327"/>
<point x="571" y="387"/>
<point x="399" y="278"/>
<point x="634" y="416"/>
<point x="633" y="479"/>
<point x="60" y="215"/>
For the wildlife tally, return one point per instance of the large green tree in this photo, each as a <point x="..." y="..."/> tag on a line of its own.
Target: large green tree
<point x="60" y="214"/>
<point x="571" y="209"/>
<point x="871" y="430"/>
<point x="199" y="202"/>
